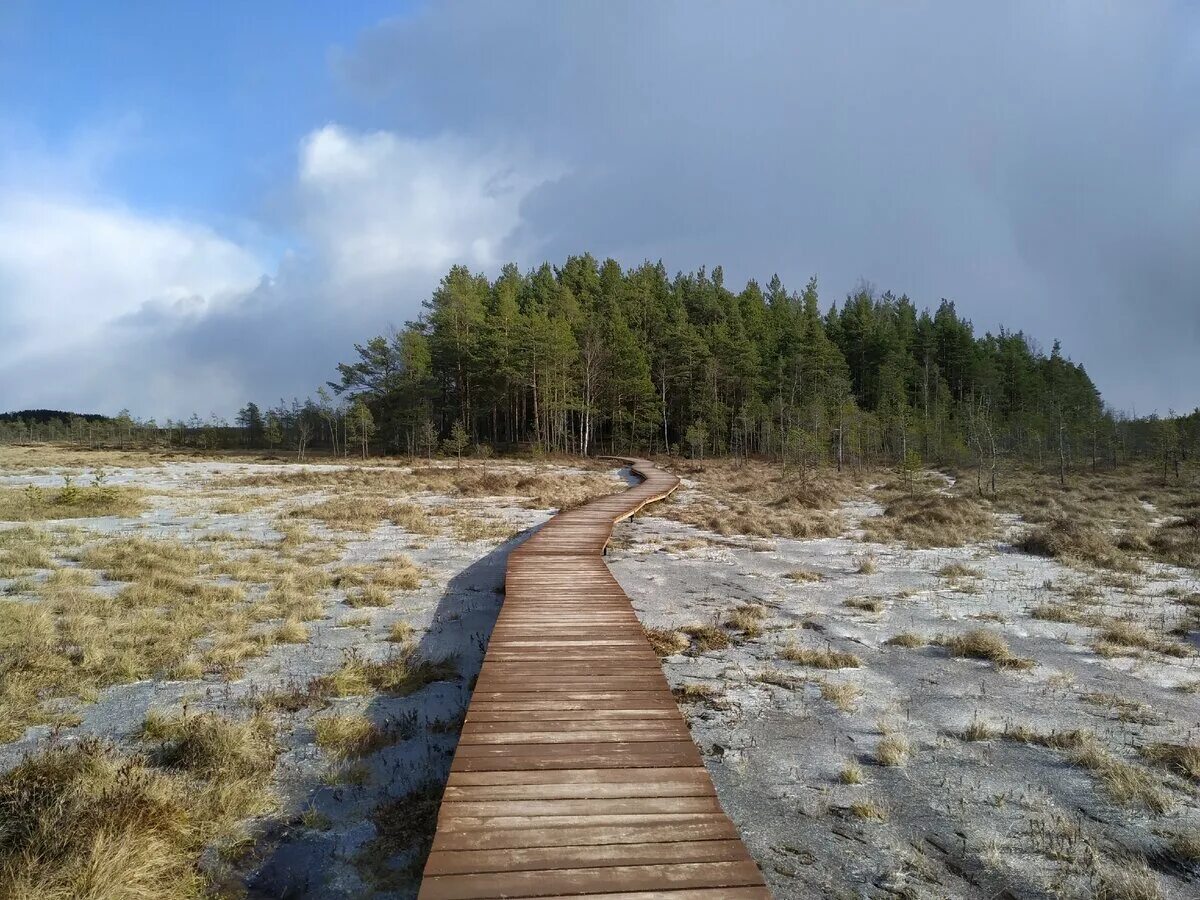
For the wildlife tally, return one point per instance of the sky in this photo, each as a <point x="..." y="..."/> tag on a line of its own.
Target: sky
<point x="205" y="203"/>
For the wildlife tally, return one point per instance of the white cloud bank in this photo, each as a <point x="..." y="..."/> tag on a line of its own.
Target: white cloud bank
<point x="103" y="307"/>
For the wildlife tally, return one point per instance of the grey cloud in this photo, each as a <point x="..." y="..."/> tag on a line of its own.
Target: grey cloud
<point x="1036" y="163"/>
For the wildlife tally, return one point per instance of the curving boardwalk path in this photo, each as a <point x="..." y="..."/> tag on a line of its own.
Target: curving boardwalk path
<point x="575" y="775"/>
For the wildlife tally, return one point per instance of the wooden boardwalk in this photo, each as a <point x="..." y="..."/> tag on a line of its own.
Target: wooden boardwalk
<point x="575" y="775"/>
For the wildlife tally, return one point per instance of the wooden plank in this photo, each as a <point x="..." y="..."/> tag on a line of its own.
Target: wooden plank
<point x="575" y="775"/>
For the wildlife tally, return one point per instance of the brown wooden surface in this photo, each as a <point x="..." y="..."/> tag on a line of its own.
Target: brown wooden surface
<point x="575" y="775"/>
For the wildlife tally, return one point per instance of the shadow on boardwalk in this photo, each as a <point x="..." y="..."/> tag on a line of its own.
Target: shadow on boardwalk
<point x="370" y="833"/>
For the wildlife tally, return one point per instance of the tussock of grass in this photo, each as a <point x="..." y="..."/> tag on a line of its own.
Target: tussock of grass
<point x="211" y="746"/>
<point x="1183" y="759"/>
<point x="1133" y="880"/>
<point x="86" y="821"/>
<point x="706" y="637"/>
<point x="23" y="550"/>
<point x="349" y="736"/>
<point x="958" y="570"/>
<point x="747" y="620"/>
<point x="1116" y="635"/>
<point x="851" y="773"/>
<point x="866" y="565"/>
<point x="369" y="595"/>
<point x="1186" y="844"/>
<point x="892" y="750"/>
<point x="695" y="692"/>
<point x="1126" y="784"/>
<point x="403" y="825"/>
<point x="906" y="639"/>
<point x="819" y="659"/>
<point x="844" y="696"/>
<point x="1075" y="541"/>
<point x="291" y="631"/>
<point x="399" y="573"/>
<point x="400" y="633"/>
<point x="866" y="604"/>
<point x="980" y="643"/>
<point x="803" y="576"/>
<point x="666" y="641"/>
<point x="868" y="810"/>
<point x="932" y="520"/>
<point x="32" y="504"/>
<point x="401" y="673"/>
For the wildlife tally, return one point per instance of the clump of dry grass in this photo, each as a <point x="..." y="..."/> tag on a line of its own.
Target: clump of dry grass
<point x="1183" y="759"/>
<point x="747" y="619"/>
<point x="403" y="825"/>
<point x="291" y="631"/>
<point x="23" y="550"/>
<point x="868" y="810"/>
<point x="866" y="604"/>
<point x="31" y="503"/>
<point x="932" y="520"/>
<point x="851" y="773"/>
<point x="369" y="595"/>
<point x="398" y="573"/>
<point x="1117" y="636"/>
<point x="844" y="696"/>
<point x="1133" y="880"/>
<point x="706" y="637"/>
<point x="906" y="639"/>
<point x="1076" y="541"/>
<point x="84" y="820"/>
<point x="958" y="570"/>
<point x="893" y="750"/>
<point x="1126" y="784"/>
<point x="819" y="659"/>
<point x="866" y="565"/>
<point x="803" y="576"/>
<point x="1186" y="844"/>
<point x="212" y="746"/>
<point x="400" y="633"/>
<point x="412" y="517"/>
<point x="979" y="643"/>
<point x="666" y="641"/>
<point x="695" y="692"/>
<point x="402" y="672"/>
<point x="350" y="735"/>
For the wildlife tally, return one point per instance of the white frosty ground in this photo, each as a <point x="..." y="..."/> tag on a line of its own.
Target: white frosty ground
<point x="963" y="819"/>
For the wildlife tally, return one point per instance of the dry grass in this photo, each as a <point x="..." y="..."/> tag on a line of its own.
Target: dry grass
<point x="694" y="692"/>
<point x="403" y="825"/>
<point x="666" y="641"/>
<point x="756" y="499"/>
<point x="1117" y="636"/>
<point x="1132" y="880"/>
<point x="291" y="631"/>
<point x="349" y="736"/>
<point x="892" y="750"/>
<point x="747" y="620"/>
<point x="706" y="637"/>
<point x="1076" y="542"/>
<point x="844" y="696"/>
<point x="819" y="659"/>
<point x="402" y="672"/>
<point x="1182" y="759"/>
<point x="1186" y="844"/>
<point x="953" y="571"/>
<point x="868" y="810"/>
<point x="906" y="639"/>
<point x="31" y="504"/>
<point x="932" y="520"/>
<point x="24" y="550"/>
<point x="866" y="565"/>
<point x="851" y="773"/>
<point x="803" y="576"/>
<point x="979" y="643"/>
<point x="369" y="595"/>
<point x="1126" y="784"/>
<point x="400" y="633"/>
<point x="86" y="821"/>
<point x="866" y="604"/>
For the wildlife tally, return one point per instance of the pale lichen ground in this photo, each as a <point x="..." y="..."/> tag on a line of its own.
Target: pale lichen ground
<point x="793" y="749"/>
<point x="340" y="827"/>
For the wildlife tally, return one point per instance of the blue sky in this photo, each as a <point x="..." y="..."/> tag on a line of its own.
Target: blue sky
<point x="202" y="204"/>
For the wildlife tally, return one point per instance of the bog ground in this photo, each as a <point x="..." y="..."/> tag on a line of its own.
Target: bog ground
<point x="247" y="676"/>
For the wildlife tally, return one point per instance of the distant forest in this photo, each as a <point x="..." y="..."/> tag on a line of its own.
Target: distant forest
<point x="592" y="358"/>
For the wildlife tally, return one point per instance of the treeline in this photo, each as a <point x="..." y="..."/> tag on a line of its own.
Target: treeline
<point x="590" y="357"/>
<point x="593" y="358"/>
